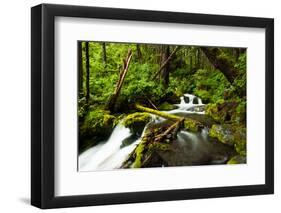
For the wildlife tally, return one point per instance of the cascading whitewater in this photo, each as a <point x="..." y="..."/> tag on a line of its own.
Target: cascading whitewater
<point x="109" y="155"/>
<point x="106" y="155"/>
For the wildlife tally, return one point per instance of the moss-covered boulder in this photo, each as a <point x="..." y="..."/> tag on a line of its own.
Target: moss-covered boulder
<point x="221" y="111"/>
<point x="228" y="111"/>
<point x="231" y="135"/>
<point x="166" y="106"/>
<point x="192" y="125"/>
<point x="224" y="133"/>
<point x="238" y="159"/>
<point x="136" y="122"/>
<point x="97" y="126"/>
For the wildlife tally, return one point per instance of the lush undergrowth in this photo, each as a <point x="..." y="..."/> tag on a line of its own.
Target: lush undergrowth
<point x="192" y="70"/>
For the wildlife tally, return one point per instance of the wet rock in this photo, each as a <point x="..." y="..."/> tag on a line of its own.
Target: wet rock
<point x="129" y="140"/>
<point x="231" y="135"/>
<point x="224" y="133"/>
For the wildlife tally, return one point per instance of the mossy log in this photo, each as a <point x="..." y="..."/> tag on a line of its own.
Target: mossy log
<point x="189" y="124"/>
<point x="157" y="112"/>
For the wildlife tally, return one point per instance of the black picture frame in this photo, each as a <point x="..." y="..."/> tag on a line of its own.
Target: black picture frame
<point x="43" y="102"/>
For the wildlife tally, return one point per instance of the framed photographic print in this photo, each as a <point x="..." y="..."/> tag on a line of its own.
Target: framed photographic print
<point x="140" y="106"/>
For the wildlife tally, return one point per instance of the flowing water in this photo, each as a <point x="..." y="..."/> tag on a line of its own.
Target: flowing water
<point x="194" y="148"/>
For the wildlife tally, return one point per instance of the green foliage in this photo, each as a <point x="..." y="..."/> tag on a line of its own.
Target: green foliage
<point x="166" y="106"/>
<point x="189" y="72"/>
<point x="241" y="80"/>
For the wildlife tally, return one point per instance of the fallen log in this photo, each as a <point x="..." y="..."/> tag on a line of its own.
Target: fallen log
<point x="189" y="124"/>
<point x="157" y="112"/>
<point x="173" y="129"/>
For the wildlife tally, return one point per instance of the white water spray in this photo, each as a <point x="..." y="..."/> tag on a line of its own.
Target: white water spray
<point x="107" y="155"/>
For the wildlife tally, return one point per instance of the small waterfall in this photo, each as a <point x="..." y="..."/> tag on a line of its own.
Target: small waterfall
<point x="187" y="104"/>
<point x="107" y="155"/>
<point x="188" y="137"/>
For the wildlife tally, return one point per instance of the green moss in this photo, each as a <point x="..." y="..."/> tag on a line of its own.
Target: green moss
<point x="136" y="122"/>
<point x="240" y="140"/>
<point x="139" y="154"/>
<point x="166" y="106"/>
<point x="238" y="159"/>
<point x="239" y="115"/>
<point x="232" y="135"/>
<point x="192" y="125"/>
<point x="212" y="111"/>
<point x="223" y="133"/>
<point x="157" y="112"/>
<point x="158" y="147"/>
<point x="97" y="125"/>
<point x="228" y="111"/>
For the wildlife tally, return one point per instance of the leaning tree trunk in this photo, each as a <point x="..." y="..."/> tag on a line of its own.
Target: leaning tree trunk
<point x="221" y="63"/>
<point x="87" y="73"/>
<point x="113" y="98"/>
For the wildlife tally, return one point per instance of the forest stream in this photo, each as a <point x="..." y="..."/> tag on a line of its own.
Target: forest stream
<point x="187" y="147"/>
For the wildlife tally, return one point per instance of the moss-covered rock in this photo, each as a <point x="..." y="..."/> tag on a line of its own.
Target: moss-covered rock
<point x="136" y="122"/>
<point x="238" y="159"/>
<point x="166" y="106"/>
<point x="97" y="125"/>
<point x="230" y="134"/>
<point x="223" y="133"/>
<point x="138" y="155"/>
<point x="222" y="111"/>
<point x="192" y="125"/>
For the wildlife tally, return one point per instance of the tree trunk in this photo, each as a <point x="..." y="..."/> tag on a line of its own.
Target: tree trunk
<point x="221" y="63"/>
<point x="113" y="98"/>
<point x="80" y="68"/>
<point x="190" y="64"/>
<point x="166" y="69"/>
<point x="198" y="58"/>
<point x="139" y="53"/>
<point x="87" y="73"/>
<point x="104" y="53"/>
<point x="166" y="62"/>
